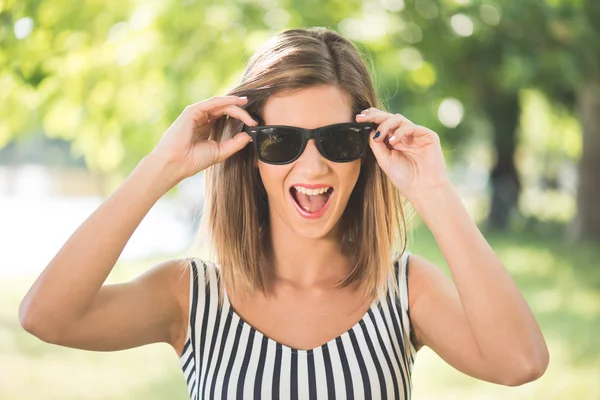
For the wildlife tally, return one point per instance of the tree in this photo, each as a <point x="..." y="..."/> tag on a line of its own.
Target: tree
<point x="486" y="52"/>
<point x="578" y="34"/>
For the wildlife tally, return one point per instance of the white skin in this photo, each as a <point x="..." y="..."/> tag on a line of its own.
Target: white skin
<point x="480" y="323"/>
<point x="291" y="233"/>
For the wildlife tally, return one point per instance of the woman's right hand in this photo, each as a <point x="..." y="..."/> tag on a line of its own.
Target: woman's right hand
<point x="186" y="145"/>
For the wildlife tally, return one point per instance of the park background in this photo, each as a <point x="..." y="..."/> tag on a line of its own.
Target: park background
<point x="87" y="88"/>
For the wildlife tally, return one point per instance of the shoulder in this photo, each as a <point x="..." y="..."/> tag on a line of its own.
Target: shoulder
<point x="423" y="278"/>
<point x="167" y="277"/>
<point x="174" y="276"/>
<point x="184" y="277"/>
<point x="185" y="274"/>
<point x="426" y="282"/>
<point x="401" y="261"/>
<point x="189" y="277"/>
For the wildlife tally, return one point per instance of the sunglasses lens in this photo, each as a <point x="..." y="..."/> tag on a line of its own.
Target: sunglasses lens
<point x="344" y="144"/>
<point x="279" y="145"/>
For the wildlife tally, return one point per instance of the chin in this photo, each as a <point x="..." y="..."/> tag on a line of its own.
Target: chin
<point x="311" y="232"/>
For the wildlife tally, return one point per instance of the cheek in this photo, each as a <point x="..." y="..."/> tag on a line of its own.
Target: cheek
<point x="349" y="173"/>
<point x="272" y="177"/>
<point x="348" y="179"/>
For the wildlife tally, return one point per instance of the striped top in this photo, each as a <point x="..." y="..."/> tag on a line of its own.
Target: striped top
<point x="224" y="357"/>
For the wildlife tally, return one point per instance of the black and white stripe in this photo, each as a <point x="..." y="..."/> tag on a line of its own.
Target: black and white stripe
<point x="225" y="358"/>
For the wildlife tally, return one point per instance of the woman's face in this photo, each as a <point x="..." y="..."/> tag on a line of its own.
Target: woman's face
<point x="311" y="216"/>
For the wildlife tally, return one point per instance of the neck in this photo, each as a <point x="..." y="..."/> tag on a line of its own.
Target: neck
<point x="305" y="263"/>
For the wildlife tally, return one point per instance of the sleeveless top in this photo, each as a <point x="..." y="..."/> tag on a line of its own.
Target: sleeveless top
<point x="224" y="357"/>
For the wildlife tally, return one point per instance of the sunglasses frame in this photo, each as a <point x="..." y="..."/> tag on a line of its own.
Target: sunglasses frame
<point x="308" y="134"/>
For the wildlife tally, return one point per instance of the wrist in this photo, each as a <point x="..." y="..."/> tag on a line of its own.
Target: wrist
<point x="163" y="169"/>
<point x="432" y="195"/>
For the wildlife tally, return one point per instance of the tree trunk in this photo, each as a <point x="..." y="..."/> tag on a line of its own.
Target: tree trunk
<point x="503" y="110"/>
<point x="586" y="223"/>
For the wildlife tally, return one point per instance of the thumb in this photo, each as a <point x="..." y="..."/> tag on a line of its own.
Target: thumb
<point x="380" y="150"/>
<point x="232" y="145"/>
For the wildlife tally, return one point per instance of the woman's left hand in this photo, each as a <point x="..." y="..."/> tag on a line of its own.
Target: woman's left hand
<point x="409" y="154"/>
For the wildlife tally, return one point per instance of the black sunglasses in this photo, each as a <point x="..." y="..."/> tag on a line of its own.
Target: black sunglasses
<point x="283" y="144"/>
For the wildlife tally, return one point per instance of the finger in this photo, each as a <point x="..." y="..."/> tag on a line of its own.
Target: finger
<point x="378" y="116"/>
<point x="380" y="150"/>
<point x="413" y="136"/>
<point x="232" y="145"/>
<point x="199" y="111"/>
<point x="218" y="101"/>
<point x="385" y="121"/>
<point x="235" y="112"/>
<point x="402" y="137"/>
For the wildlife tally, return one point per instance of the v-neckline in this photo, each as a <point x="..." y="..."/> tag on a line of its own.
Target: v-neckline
<point x="290" y="349"/>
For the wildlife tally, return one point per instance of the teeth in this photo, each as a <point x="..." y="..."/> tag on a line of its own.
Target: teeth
<point x="311" y="192"/>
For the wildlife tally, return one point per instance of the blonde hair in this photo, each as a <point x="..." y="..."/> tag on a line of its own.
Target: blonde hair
<point x="235" y="216"/>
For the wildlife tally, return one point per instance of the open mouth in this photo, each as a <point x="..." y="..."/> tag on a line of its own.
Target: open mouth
<point x="311" y="202"/>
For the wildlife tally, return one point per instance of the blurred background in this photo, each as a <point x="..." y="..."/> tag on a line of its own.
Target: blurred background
<point x="87" y="88"/>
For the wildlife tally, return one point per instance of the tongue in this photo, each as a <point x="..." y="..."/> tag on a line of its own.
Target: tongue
<point x="311" y="204"/>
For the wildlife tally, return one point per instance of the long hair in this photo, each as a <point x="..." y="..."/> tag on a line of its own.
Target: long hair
<point x="235" y="217"/>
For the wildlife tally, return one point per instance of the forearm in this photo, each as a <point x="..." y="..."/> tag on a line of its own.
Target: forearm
<point x="70" y="282"/>
<point x="501" y="321"/>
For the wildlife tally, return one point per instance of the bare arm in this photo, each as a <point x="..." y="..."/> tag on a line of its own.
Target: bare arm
<point x="67" y="304"/>
<point x="480" y="324"/>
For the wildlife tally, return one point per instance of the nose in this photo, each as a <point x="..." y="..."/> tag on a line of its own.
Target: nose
<point x="311" y="160"/>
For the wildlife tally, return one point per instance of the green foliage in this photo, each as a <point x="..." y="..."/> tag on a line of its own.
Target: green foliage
<point x="111" y="76"/>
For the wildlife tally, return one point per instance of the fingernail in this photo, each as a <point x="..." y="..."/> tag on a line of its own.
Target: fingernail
<point x="376" y="135"/>
<point x="361" y="115"/>
<point x="243" y="97"/>
<point x="392" y="138"/>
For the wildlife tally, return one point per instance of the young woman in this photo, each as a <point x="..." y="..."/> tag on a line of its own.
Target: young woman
<point x="309" y="294"/>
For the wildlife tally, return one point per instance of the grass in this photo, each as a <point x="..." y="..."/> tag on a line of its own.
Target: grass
<point x="560" y="281"/>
